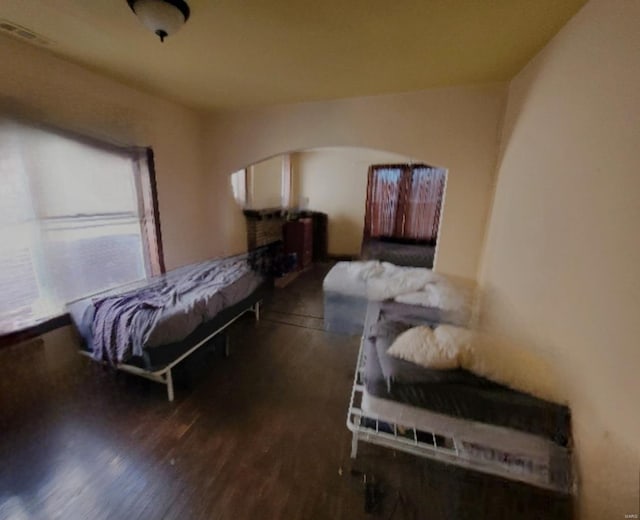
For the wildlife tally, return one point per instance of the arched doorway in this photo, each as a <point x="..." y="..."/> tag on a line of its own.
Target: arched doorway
<point x="377" y="204"/>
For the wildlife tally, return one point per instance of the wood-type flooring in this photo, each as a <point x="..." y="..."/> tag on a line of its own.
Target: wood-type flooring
<point x="260" y="435"/>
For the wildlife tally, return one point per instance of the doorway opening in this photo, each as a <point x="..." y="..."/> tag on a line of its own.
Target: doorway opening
<point x="402" y="213"/>
<point x="363" y="204"/>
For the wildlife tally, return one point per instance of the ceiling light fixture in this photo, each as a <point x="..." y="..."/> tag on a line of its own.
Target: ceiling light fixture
<point x="163" y="17"/>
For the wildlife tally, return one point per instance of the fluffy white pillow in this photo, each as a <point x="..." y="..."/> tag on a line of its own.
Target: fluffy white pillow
<point x="440" y="348"/>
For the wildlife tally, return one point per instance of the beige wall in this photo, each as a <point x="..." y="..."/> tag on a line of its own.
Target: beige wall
<point x="265" y="179"/>
<point x="36" y="85"/>
<point x="455" y="128"/>
<point x="334" y="180"/>
<point x="561" y="264"/>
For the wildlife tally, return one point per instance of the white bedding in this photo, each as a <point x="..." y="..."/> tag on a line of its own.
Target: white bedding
<point x="377" y="280"/>
<point x="342" y="279"/>
<point x="380" y="281"/>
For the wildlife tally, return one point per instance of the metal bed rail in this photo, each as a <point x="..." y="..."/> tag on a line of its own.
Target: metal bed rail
<point x="164" y="375"/>
<point x="531" y="468"/>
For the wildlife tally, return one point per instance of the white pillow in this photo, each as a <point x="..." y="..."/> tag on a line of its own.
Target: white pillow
<point x="441" y="348"/>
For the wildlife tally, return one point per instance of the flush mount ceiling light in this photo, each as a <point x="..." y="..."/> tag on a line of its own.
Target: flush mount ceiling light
<point x="163" y="17"/>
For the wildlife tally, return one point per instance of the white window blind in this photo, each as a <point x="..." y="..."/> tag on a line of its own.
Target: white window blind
<point x="71" y="222"/>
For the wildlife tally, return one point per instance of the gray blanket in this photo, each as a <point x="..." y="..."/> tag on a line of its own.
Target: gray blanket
<point x="456" y="393"/>
<point x="122" y="323"/>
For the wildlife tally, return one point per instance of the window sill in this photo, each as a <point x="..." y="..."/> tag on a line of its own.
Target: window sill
<point x="18" y="336"/>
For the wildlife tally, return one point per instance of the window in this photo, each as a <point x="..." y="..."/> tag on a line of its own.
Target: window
<point x="239" y="187"/>
<point x="76" y="218"/>
<point x="404" y="201"/>
<point x="383" y="199"/>
<point x="423" y="203"/>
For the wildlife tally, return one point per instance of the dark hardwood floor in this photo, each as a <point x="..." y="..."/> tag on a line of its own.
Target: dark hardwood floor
<point x="260" y="435"/>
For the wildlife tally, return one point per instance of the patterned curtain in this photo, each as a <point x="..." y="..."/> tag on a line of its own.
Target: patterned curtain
<point x="423" y="205"/>
<point x="404" y="201"/>
<point x="383" y="201"/>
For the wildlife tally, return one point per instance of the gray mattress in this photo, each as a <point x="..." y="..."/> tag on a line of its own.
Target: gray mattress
<point x="346" y="314"/>
<point x="459" y="393"/>
<point x="398" y="253"/>
<point x="184" y="311"/>
<point x="160" y="356"/>
<point x="346" y="301"/>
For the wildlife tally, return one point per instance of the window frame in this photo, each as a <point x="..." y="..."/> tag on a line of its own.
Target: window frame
<point x="149" y="215"/>
<point x="404" y="201"/>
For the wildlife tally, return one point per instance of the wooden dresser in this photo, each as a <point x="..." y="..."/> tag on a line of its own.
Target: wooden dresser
<point x="298" y="239"/>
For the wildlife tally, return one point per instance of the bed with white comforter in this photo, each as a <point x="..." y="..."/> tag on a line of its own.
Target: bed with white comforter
<point x="350" y="285"/>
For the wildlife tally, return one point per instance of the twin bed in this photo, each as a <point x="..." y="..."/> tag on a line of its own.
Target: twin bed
<point x="451" y="415"/>
<point x="349" y="286"/>
<point x="149" y="327"/>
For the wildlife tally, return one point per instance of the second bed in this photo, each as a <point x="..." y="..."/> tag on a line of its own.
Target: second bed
<point x="454" y="415"/>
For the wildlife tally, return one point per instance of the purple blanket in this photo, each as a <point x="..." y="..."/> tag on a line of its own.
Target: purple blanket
<point x="191" y="295"/>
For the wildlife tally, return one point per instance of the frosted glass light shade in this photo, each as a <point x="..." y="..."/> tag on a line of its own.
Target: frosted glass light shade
<point x="163" y="17"/>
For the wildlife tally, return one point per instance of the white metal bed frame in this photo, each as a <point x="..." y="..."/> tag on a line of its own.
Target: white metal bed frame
<point x="441" y="444"/>
<point x="164" y="375"/>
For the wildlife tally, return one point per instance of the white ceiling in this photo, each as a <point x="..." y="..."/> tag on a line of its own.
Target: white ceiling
<point x="240" y="53"/>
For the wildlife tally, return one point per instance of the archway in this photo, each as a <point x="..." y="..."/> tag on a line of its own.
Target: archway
<point x="337" y="182"/>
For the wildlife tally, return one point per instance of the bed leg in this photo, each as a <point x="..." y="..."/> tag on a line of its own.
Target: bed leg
<point x="354" y="445"/>
<point x="227" y="352"/>
<point x="256" y="310"/>
<point x="169" y="380"/>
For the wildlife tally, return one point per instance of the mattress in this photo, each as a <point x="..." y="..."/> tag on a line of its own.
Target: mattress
<point x="398" y="253"/>
<point x="349" y="285"/>
<point x="461" y="394"/>
<point x="377" y="280"/>
<point x="424" y="420"/>
<point x="169" y="328"/>
<point x="341" y="280"/>
<point x="157" y="357"/>
<point x="346" y="289"/>
<point x="186" y="312"/>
